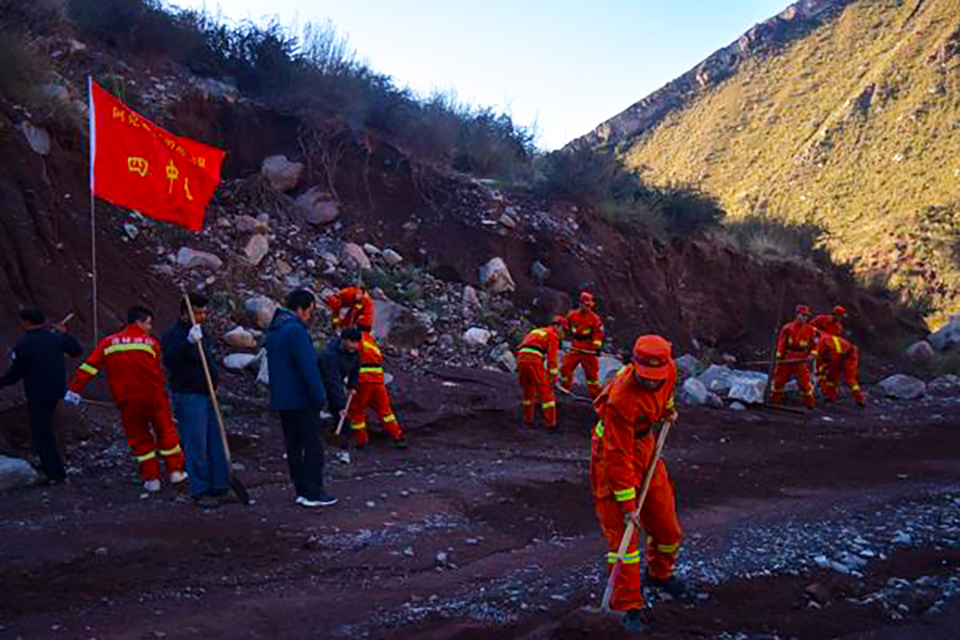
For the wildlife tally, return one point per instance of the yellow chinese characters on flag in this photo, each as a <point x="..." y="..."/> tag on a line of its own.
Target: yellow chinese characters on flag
<point x="138" y="165"/>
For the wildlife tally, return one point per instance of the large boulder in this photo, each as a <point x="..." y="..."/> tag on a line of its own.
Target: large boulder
<point x="948" y="384"/>
<point x="687" y="366"/>
<point x="476" y="337"/>
<point x="16" y="474"/>
<point x="239" y="361"/>
<point x="693" y="393"/>
<point x="353" y="255"/>
<point x="503" y="357"/>
<point x="391" y="257"/>
<point x="903" y="387"/>
<point x="749" y="390"/>
<point x="496" y="277"/>
<point x="256" y="249"/>
<point x="282" y="174"/>
<point x="192" y="259"/>
<point x="608" y="368"/>
<point x="260" y="310"/>
<point x="920" y="351"/>
<point x="401" y="326"/>
<point x="717" y="378"/>
<point x="471" y="299"/>
<point x="317" y="207"/>
<point x="240" y="338"/>
<point x="947" y="337"/>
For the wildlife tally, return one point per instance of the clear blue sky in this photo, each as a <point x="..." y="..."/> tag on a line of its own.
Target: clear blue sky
<point x="565" y="65"/>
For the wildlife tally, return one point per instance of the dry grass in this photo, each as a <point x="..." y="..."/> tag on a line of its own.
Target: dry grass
<point x="855" y="128"/>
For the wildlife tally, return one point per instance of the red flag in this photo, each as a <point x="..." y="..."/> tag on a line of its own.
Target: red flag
<point x="136" y="164"/>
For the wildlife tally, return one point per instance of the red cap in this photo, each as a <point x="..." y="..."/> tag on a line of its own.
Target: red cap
<point x="586" y="298"/>
<point x="651" y="357"/>
<point x="839" y="311"/>
<point x="805" y="310"/>
<point x="560" y="320"/>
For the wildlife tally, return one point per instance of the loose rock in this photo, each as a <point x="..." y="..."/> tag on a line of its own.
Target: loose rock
<point x="496" y="277"/>
<point x="16" y="474"/>
<point x="903" y="387"/>
<point x="282" y="174"/>
<point x="192" y="259"/>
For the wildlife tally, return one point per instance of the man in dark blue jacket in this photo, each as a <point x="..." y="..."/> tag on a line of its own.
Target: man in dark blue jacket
<point x="340" y="363"/>
<point x="38" y="361"/>
<point x="297" y="392"/>
<point x="196" y="417"/>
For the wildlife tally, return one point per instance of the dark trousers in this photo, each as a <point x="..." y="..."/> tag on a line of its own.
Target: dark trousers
<point x="201" y="440"/>
<point x="44" y="441"/>
<point x="301" y="435"/>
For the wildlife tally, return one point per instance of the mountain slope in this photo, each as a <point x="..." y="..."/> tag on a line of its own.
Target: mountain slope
<point x="854" y="125"/>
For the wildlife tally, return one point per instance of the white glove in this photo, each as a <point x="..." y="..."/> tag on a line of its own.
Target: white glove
<point x="195" y="335"/>
<point x="71" y="398"/>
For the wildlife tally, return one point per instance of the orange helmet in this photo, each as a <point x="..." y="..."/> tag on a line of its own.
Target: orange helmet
<point x="561" y="321"/>
<point x="586" y="299"/>
<point x="839" y="311"/>
<point x="651" y="357"/>
<point x="803" y="309"/>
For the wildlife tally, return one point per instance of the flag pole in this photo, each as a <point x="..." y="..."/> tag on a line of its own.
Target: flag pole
<point x="93" y="209"/>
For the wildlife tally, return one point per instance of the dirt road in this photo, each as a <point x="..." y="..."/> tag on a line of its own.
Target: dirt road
<point x="838" y="524"/>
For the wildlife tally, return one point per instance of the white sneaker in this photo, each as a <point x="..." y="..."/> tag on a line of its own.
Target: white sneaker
<point x="343" y="456"/>
<point x="178" y="476"/>
<point x="152" y="486"/>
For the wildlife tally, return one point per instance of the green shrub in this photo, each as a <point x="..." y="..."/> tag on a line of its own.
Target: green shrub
<point x="775" y="239"/>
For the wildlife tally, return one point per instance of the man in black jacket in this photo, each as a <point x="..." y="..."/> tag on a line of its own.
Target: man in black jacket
<point x="196" y="417"/>
<point x="38" y="361"/>
<point x="339" y="362"/>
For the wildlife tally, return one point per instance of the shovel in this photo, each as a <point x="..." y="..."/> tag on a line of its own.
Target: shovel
<point x="235" y="483"/>
<point x="631" y="526"/>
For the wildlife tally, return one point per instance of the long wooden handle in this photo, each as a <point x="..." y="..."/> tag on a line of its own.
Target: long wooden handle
<point x="343" y="417"/>
<point x="631" y="526"/>
<point x="210" y="389"/>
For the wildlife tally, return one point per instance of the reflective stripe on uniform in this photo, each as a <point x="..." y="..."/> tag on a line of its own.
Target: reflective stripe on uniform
<point x="599" y="429"/>
<point x="836" y="343"/>
<point x="549" y="405"/>
<point x="86" y="368"/>
<point x="130" y="346"/>
<point x="625" y="494"/>
<point x="358" y="426"/>
<point x="668" y="548"/>
<point x="170" y="452"/>
<point x="146" y="456"/>
<point x="534" y="351"/>
<point x="390" y="418"/>
<point x="527" y="403"/>
<point x="593" y="382"/>
<point x="371" y="369"/>
<point x="632" y="557"/>
<point x="855" y="387"/>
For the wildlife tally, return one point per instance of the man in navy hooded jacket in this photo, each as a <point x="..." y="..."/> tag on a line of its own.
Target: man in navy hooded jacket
<point x="297" y="392"/>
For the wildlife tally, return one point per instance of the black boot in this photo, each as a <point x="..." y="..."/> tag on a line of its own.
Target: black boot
<point x="673" y="585"/>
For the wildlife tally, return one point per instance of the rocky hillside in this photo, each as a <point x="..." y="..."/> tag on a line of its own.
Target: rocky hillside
<point x="843" y="114"/>
<point x="461" y="266"/>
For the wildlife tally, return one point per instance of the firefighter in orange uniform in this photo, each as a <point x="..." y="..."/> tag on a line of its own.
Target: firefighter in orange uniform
<point x="351" y="307"/>
<point x="132" y="360"/>
<point x="537" y="371"/>
<point x="639" y="397"/>
<point x="831" y="323"/>
<point x="796" y="344"/>
<point x="838" y="358"/>
<point x="370" y="393"/>
<point x="586" y="329"/>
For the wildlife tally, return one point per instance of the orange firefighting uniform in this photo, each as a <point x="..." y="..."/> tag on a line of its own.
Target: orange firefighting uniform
<point x="586" y="329"/>
<point x="536" y="372"/>
<point x="371" y="393"/>
<point x="796" y="341"/>
<point x="623" y="447"/>
<point x="132" y="361"/>
<point x="358" y="307"/>
<point x="837" y="358"/>
<point x="826" y="323"/>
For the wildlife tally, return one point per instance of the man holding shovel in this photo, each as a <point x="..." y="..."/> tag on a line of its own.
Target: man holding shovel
<point x="623" y="452"/>
<point x="339" y="367"/>
<point x="192" y="407"/>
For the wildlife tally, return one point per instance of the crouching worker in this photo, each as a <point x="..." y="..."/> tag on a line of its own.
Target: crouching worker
<point x="339" y="366"/>
<point x="639" y="397"/>
<point x="132" y="360"/>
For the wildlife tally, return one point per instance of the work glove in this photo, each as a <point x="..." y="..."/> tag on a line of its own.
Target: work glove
<point x="195" y="335"/>
<point x="71" y="398"/>
<point x="631" y="516"/>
